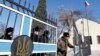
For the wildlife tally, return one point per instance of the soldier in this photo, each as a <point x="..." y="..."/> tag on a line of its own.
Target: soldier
<point x="62" y="44"/>
<point x="45" y="37"/>
<point x="8" y="34"/>
<point x="35" y="37"/>
<point x="35" y="34"/>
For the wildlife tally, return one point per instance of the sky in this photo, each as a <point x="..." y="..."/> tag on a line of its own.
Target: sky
<point x="53" y="6"/>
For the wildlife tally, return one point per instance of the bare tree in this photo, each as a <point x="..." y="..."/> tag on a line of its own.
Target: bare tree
<point x="67" y="18"/>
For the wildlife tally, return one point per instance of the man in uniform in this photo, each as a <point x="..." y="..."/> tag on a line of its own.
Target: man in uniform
<point x="8" y="34"/>
<point x="35" y="38"/>
<point x="62" y="44"/>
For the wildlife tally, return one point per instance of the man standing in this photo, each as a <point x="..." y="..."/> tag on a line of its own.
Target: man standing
<point x="45" y="37"/>
<point x="35" y="37"/>
<point x="62" y="44"/>
<point x="35" y="34"/>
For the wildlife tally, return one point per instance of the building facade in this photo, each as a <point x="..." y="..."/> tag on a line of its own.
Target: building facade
<point x="94" y="32"/>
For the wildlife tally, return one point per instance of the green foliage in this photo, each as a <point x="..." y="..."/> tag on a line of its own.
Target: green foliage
<point x="41" y="9"/>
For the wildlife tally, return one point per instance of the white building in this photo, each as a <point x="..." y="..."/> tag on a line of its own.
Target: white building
<point x="94" y="30"/>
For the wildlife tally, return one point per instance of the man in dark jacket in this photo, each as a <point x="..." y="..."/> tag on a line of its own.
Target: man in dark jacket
<point x="8" y="34"/>
<point x="35" y="34"/>
<point x="62" y="44"/>
<point x="45" y="37"/>
<point x="35" y="38"/>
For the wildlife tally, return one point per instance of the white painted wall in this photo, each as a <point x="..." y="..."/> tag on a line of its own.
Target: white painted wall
<point x="94" y="29"/>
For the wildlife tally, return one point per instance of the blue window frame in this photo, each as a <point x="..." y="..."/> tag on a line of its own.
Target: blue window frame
<point x="26" y="26"/>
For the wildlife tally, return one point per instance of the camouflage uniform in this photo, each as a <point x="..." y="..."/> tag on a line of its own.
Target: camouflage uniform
<point x="62" y="46"/>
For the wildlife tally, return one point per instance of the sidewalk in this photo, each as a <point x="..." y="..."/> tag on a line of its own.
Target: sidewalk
<point x="95" y="53"/>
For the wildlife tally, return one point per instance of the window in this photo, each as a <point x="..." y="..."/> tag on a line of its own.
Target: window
<point x="47" y="33"/>
<point x="98" y="39"/>
<point x="9" y="19"/>
<point x="1" y="1"/>
<point x="88" y="39"/>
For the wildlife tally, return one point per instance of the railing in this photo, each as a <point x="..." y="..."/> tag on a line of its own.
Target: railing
<point x="26" y="23"/>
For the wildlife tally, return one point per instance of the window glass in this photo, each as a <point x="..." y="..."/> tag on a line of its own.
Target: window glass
<point x="54" y="35"/>
<point x="17" y="25"/>
<point x="46" y="33"/>
<point x="88" y="39"/>
<point x="10" y="24"/>
<point x="98" y="39"/>
<point x="37" y="28"/>
<point x="1" y="1"/>
<point x="11" y="19"/>
<point x="4" y="16"/>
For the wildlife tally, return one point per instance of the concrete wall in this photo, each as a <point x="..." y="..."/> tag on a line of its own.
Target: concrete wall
<point x="94" y="30"/>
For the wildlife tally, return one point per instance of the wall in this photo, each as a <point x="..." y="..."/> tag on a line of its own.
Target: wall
<point x="94" y="32"/>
